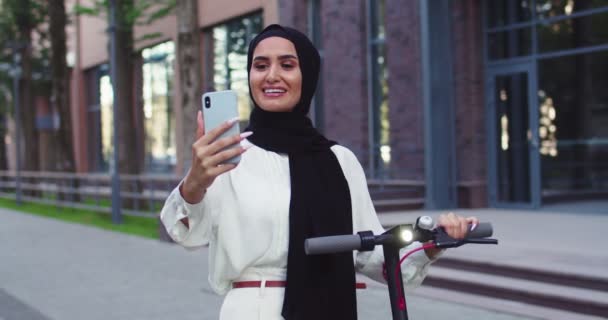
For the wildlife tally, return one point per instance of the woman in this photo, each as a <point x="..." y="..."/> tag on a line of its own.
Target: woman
<point x="291" y="184"/>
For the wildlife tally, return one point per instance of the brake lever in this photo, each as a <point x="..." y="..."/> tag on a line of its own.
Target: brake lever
<point x="482" y="241"/>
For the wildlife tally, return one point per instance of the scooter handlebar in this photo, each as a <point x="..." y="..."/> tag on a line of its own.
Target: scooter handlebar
<point x="332" y="244"/>
<point x="483" y="230"/>
<point x="347" y="243"/>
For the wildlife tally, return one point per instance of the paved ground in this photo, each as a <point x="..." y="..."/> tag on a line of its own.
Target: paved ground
<point x="563" y="238"/>
<point x="56" y="270"/>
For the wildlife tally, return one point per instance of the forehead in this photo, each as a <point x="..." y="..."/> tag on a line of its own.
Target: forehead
<point x="274" y="46"/>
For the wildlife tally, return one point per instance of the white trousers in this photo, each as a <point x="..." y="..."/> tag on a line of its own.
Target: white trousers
<point x="253" y="304"/>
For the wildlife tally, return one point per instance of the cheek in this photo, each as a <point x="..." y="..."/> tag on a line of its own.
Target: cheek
<point x="253" y="81"/>
<point x="298" y="91"/>
<point x="296" y="85"/>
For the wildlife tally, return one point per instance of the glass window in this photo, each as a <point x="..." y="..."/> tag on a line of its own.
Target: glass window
<point x="573" y="119"/>
<point x="505" y="12"/>
<point x="381" y="148"/>
<point x="509" y="44"/>
<point x="106" y="103"/>
<point x="553" y="8"/>
<point x="552" y="28"/>
<point x="93" y="96"/>
<point x="230" y="44"/>
<point x="159" y="119"/>
<point x="573" y="33"/>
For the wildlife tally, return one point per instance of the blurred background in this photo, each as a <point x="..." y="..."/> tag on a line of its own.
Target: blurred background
<point x="448" y="104"/>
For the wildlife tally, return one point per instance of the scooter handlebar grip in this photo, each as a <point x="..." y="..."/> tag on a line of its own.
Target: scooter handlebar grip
<point x="332" y="244"/>
<point x="483" y="230"/>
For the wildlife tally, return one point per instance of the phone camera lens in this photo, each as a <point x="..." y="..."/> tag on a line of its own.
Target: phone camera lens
<point x="207" y="102"/>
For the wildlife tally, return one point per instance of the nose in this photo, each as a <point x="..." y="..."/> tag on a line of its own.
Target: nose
<point x="273" y="74"/>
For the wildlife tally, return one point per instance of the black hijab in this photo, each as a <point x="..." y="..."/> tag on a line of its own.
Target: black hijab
<point x="318" y="287"/>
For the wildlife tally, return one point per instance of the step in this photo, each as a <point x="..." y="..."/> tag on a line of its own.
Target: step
<point x="485" y="302"/>
<point x="499" y="305"/>
<point x="540" y="293"/>
<point x="540" y="275"/>
<point x="386" y="205"/>
<point x="395" y="194"/>
<point x="541" y="288"/>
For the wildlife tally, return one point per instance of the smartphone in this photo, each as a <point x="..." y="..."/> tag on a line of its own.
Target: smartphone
<point x="219" y="107"/>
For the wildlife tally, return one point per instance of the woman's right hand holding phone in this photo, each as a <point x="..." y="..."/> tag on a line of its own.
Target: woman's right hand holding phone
<point x="208" y="157"/>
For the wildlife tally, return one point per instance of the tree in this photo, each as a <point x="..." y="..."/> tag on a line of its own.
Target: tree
<point x="125" y="61"/>
<point x="26" y="15"/>
<point x="189" y="57"/>
<point x="20" y="22"/>
<point x="128" y="14"/>
<point x="60" y="98"/>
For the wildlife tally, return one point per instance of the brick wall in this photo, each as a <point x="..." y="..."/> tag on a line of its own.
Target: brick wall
<point x="471" y="131"/>
<point x="293" y="13"/>
<point x="345" y="74"/>
<point x="405" y="89"/>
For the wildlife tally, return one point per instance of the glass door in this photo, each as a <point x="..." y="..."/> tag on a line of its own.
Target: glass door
<point x="514" y="173"/>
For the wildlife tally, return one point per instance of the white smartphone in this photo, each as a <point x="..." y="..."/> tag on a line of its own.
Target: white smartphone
<point x="219" y="107"/>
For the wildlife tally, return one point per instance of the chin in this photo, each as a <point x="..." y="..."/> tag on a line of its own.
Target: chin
<point x="272" y="107"/>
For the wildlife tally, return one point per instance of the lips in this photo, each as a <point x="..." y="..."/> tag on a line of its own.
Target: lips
<point x="274" y="92"/>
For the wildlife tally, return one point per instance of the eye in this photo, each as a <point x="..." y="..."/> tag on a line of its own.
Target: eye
<point x="287" y="66"/>
<point x="260" y="66"/>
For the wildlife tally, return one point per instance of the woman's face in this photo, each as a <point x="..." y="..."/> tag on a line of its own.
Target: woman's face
<point x="275" y="77"/>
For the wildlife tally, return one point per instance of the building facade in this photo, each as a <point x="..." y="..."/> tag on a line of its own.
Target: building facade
<point x="474" y="102"/>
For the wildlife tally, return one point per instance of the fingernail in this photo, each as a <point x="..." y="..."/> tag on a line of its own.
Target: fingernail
<point x="473" y="226"/>
<point x="233" y="120"/>
<point x="246" y="134"/>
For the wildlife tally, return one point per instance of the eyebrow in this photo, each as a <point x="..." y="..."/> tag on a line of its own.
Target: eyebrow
<point x="281" y="57"/>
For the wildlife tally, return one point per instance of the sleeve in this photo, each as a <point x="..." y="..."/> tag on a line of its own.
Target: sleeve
<point x="200" y="219"/>
<point x="371" y="263"/>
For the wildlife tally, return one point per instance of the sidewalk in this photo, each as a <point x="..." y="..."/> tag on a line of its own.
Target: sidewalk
<point x="561" y="238"/>
<point x="550" y="263"/>
<point x="56" y="270"/>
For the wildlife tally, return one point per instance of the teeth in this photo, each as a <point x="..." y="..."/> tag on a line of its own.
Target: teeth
<point x="274" y="91"/>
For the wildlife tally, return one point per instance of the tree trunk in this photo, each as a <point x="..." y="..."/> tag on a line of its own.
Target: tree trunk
<point x="3" y="131"/>
<point x="189" y="63"/>
<point x="127" y="139"/>
<point x="30" y="158"/>
<point x="60" y="98"/>
<point x="26" y="107"/>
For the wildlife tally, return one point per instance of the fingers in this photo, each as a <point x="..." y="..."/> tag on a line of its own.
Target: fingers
<point x="456" y="226"/>
<point x="223" y="156"/>
<point x="212" y="135"/>
<point x="226" y="142"/>
<point x="209" y="153"/>
<point x="221" y="169"/>
<point x="473" y="221"/>
<point x="200" y="128"/>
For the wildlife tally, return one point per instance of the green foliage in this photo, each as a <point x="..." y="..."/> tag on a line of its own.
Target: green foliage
<point x="160" y="10"/>
<point x="17" y="17"/>
<point x="139" y="226"/>
<point x="149" y="36"/>
<point x="130" y="13"/>
<point x="96" y="9"/>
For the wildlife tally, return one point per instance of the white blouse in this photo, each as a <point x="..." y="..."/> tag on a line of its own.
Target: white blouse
<point x="244" y="215"/>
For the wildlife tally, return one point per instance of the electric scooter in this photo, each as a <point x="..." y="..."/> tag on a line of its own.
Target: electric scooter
<point x="394" y="239"/>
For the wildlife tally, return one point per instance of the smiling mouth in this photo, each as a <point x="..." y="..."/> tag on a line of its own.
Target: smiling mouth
<point x="274" y="92"/>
